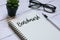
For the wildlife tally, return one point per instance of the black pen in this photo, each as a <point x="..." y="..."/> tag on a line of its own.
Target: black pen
<point x="50" y="21"/>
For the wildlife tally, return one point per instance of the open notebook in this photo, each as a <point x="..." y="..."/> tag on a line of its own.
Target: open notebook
<point x="29" y="24"/>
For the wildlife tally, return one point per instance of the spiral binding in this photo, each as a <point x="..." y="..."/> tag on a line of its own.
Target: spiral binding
<point x="18" y="32"/>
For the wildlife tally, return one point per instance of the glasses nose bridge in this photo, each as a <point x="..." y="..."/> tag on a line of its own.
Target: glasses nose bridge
<point x="43" y="5"/>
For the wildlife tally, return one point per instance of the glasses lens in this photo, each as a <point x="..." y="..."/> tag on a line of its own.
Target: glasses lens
<point x="49" y="8"/>
<point x="34" y="5"/>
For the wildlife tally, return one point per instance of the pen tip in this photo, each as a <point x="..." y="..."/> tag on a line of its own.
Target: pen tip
<point x="44" y="15"/>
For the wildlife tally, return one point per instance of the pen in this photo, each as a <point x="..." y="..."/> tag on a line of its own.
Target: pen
<point x="17" y="32"/>
<point x="50" y="21"/>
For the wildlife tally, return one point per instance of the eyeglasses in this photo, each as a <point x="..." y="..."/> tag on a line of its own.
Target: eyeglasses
<point x="46" y="7"/>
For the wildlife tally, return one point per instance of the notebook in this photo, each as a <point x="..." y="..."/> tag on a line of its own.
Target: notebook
<point x="28" y="24"/>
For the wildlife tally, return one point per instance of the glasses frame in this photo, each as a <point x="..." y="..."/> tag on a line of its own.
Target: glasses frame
<point x="49" y="6"/>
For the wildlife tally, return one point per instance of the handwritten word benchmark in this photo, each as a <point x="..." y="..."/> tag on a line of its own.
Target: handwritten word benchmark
<point x="28" y="20"/>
